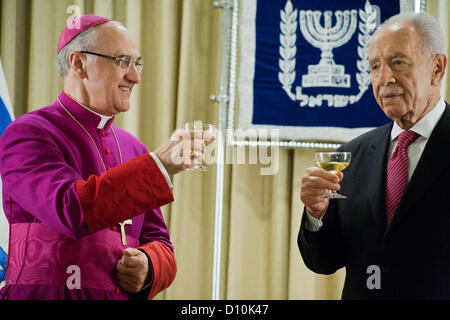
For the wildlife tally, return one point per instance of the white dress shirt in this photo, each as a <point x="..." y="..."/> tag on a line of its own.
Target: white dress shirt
<point x="424" y="127"/>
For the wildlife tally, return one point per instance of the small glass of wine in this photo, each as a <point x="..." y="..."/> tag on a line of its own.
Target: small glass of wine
<point x="202" y="133"/>
<point x="333" y="162"/>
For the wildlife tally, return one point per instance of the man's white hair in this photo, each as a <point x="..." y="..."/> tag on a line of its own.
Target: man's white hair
<point x="85" y="41"/>
<point x="434" y="41"/>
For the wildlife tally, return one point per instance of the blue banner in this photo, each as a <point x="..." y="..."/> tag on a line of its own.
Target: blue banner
<point x="6" y="117"/>
<point x="304" y="67"/>
<point x="3" y="260"/>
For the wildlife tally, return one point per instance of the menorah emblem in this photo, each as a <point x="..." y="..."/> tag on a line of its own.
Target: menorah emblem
<point x="327" y="73"/>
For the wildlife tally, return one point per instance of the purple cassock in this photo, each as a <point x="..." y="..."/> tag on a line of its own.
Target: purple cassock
<point x="55" y="165"/>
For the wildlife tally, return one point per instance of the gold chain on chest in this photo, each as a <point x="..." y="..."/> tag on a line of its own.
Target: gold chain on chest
<point x="90" y="137"/>
<point x="128" y="221"/>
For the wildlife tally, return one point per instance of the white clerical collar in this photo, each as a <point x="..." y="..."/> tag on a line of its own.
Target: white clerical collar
<point x="103" y="119"/>
<point x="424" y="126"/>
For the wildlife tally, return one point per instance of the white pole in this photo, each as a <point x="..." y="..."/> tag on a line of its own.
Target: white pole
<point x="222" y="99"/>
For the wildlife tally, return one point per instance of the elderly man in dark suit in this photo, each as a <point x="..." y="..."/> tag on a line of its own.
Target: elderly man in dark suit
<point x="392" y="233"/>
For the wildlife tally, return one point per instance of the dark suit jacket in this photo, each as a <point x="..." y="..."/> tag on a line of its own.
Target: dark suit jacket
<point x="413" y="253"/>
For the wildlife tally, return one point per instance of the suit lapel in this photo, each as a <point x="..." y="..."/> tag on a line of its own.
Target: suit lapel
<point x="425" y="174"/>
<point x="376" y="175"/>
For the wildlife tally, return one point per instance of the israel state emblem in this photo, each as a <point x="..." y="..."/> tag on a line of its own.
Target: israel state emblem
<point x="318" y="29"/>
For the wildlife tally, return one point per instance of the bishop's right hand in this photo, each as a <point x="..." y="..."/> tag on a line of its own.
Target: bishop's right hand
<point x="317" y="182"/>
<point x="178" y="153"/>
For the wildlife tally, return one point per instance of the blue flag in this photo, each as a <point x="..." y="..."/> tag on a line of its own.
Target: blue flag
<point x="6" y="117"/>
<point x="304" y="67"/>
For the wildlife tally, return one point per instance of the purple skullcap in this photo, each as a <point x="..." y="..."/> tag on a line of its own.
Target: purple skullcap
<point x="78" y="25"/>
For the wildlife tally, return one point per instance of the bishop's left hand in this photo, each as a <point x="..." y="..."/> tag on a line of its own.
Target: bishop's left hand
<point x="132" y="270"/>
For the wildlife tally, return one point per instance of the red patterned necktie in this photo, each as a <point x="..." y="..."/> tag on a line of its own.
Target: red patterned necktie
<point x="397" y="172"/>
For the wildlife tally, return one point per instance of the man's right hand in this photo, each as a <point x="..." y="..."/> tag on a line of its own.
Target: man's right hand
<point x="317" y="182"/>
<point x="178" y="153"/>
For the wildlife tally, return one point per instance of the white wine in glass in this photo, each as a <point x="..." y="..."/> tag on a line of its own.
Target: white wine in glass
<point x="333" y="162"/>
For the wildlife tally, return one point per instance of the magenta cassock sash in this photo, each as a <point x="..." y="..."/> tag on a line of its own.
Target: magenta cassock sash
<point x="39" y="255"/>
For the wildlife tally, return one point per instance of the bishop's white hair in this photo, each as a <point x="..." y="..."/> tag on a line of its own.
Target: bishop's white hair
<point x="85" y="41"/>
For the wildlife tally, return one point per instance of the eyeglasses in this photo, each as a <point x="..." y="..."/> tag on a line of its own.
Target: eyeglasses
<point x="125" y="62"/>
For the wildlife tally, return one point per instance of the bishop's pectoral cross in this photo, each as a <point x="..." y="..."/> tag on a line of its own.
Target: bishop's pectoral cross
<point x="122" y="230"/>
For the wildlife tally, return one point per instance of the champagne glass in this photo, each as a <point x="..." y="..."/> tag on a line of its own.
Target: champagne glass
<point x="333" y="162"/>
<point x="202" y="132"/>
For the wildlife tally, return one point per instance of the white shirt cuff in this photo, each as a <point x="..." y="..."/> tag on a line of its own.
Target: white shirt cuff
<point x="162" y="168"/>
<point x="312" y="224"/>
